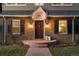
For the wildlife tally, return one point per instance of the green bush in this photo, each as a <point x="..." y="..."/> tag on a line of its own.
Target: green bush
<point x="65" y="51"/>
<point x="12" y="50"/>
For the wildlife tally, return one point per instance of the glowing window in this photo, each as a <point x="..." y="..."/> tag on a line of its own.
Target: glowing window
<point x="15" y="26"/>
<point x="62" y="26"/>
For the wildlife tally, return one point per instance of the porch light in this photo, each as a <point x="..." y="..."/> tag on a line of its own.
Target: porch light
<point x="47" y="25"/>
<point x="30" y="25"/>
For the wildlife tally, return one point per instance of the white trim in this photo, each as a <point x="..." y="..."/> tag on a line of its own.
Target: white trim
<point x="15" y="4"/>
<point x="23" y="4"/>
<point x="19" y="26"/>
<point x="67" y="4"/>
<point x="73" y="41"/>
<point x="56" y="4"/>
<point x="39" y="4"/>
<point x="62" y="4"/>
<point x="41" y="12"/>
<point x="10" y="4"/>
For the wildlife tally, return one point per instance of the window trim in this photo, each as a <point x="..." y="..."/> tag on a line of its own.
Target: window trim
<point x="62" y="4"/>
<point x="16" y="4"/>
<point x="19" y="27"/>
<point x="39" y="4"/>
<point x="66" y="27"/>
<point x="66" y="4"/>
<point x="10" y="4"/>
<point x="21" y="5"/>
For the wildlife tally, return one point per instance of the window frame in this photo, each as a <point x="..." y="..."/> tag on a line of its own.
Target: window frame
<point x="18" y="33"/>
<point x="7" y="4"/>
<point x="66" y="27"/>
<point x="16" y="4"/>
<point x="62" y="4"/>
<point x="39" y="4"/>
<point x="66" y="4"/>
<point x="21" y="5"/>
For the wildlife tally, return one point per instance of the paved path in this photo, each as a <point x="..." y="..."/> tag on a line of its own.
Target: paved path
<point x="37" y="49"/>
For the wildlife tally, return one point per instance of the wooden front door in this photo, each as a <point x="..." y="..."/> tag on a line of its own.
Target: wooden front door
<point x="39" y="29"/>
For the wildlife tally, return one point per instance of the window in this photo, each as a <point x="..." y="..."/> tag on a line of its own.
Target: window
<point x="62" y="4"/>
<point x="21" y="4"/>
<point x="15" y="4"/>
<point x="39" y="4"/>
<point x="15" y="26"/>
<point x="62" y="26"/>
<point x="10" y="4"/>
<point x="67" y="4"/>
<point x="56" y="4"/>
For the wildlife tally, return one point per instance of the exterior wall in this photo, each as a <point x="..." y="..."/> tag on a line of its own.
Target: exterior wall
<point x="50" y="30"/>
<point x="27" y="35"/>
<point x="63" y="38"/>
<point x="29" y="31"/>
<point x="47" y="6"/>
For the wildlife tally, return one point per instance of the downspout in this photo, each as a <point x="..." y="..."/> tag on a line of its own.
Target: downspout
<point x="4" y="30"/>
<point x="73" y="39"/>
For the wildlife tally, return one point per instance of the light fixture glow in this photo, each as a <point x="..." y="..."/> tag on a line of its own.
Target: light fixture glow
<point x="47" y="26"/>
<point x="30" y="25"/>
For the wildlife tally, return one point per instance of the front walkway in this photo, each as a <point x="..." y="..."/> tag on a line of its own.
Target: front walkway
<point x="38" y="51"/>
<point x="37" y="48"/>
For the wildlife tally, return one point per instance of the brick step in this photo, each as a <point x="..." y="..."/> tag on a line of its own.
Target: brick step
<point x="38" y="45"/>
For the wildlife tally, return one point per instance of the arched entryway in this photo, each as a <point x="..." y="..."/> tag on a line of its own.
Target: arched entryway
<point x="39" y="17"/>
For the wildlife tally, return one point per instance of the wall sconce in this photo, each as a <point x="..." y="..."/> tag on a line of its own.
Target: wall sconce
<point x="47" y="26"/>
<point x="30" y="25"/>
<point x="30" y="21"/>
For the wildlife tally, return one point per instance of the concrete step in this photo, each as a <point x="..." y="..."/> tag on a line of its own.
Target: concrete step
<point x="38" y="45"/>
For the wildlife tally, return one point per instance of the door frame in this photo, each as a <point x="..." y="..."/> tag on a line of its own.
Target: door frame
<point x="43" y="27"/>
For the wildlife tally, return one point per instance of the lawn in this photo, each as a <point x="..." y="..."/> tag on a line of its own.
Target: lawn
<point x="65" y="51"/>
<point x="12" y="50"/>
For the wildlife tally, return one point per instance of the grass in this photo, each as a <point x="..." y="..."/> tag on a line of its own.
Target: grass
<point x="65" y="51"/>
<point x="12" y="50"/>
